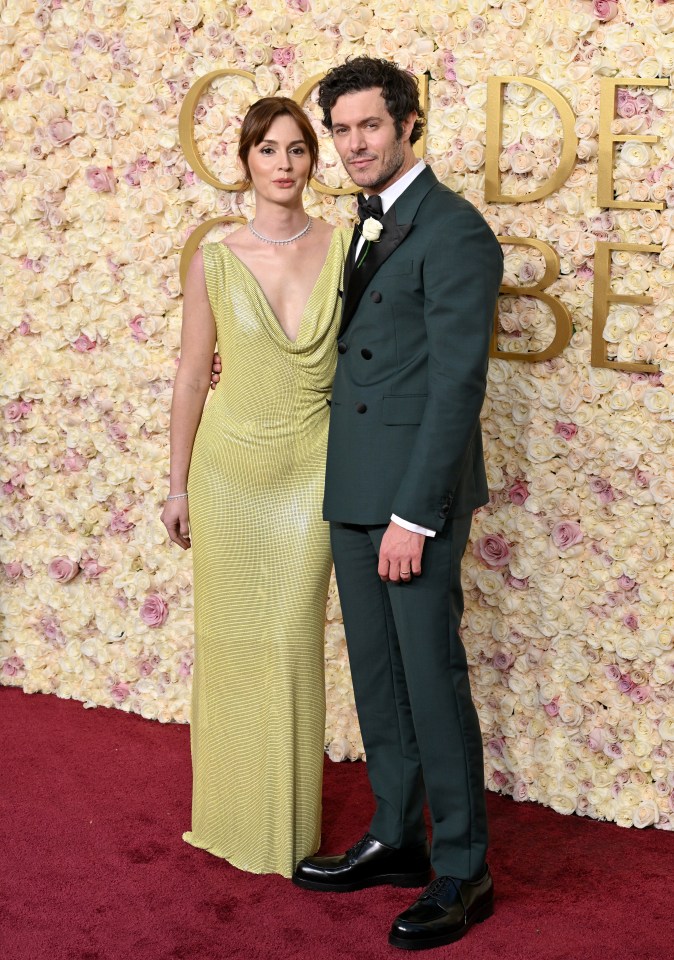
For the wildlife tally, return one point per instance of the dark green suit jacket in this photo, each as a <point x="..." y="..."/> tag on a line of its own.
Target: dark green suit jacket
<point x="411" y="375"/>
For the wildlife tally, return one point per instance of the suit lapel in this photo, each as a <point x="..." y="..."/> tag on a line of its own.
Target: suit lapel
<point x="356" y="279"/>
<point x="350" y="261"/>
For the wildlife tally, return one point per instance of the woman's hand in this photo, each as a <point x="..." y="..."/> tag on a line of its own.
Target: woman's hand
<point x="176" y="518"/>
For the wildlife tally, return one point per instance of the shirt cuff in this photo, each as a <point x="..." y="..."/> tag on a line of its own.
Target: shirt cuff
<point x="413" y="527"/>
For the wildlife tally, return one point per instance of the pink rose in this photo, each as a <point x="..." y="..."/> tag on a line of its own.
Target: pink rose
<point x="495" y="746"/>
<point x="493" y="550"/>
<point x="283" y="55"/>
<point x="73" y="462"/>
<point x="449" y="65"/>
<point x="640" y="694"/>
<point x="302" y="6"/>
<point x="60" y="132"/>
<point x="83" y="344"/>
<point x="185" y="668"/>
<point x="154" y="610"/>
<point x="597" y="739"/>
<point x="183" y="33"/>
<point x="117" y="432"/>
<point x="145" y="668"/>
<point x="612" y="672"/>
<point x="120" y="523"/>
<point x="552" y="708"/>
<point x="120" y="691"/>
<point x="605" y="9"/>
<point x="131" y="175"/>
<point x="12" y="411"/>
<point x="566" y="534"/>
<point x="520" y="791"/>
<point x="13" y="570"/>
<point x="515" y="583"/>
<point x="92" y="570"/>
<point x="51" y="630"/>
<point x="567" y="431"/>
<point x="626" y="107"/>
<point x="500" y="779"/>
<point x="603" y="489"/>
<point x="518" y="493"/>
<point x="502" y="660"/>
<point x="63" y="569"/>
<point x="137" y="331"/>
<point x="12" y="666"/>
<point x="100" y="179"/>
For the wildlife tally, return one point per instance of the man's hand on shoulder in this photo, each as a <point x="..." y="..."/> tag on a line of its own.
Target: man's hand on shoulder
<point x="400" y="554"/>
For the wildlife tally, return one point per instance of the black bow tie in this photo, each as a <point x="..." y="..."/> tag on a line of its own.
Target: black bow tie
<point x="370" y="207"/>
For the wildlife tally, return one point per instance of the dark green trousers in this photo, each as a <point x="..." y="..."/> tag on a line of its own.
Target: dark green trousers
<point x="419" y="724"/>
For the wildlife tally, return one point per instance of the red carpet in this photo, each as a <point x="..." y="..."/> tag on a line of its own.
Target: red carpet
<point x="92" y="865"/>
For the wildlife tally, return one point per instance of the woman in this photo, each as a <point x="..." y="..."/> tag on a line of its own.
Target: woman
<point x="251" y="508"/>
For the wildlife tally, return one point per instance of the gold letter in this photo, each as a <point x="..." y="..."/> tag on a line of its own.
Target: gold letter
<point x="603" y="297"/>
<point x="186" y="127"/>
<point x="194" y="238"/>
<point x="492" y="189"/>
<point x="563" y="324"/>
<point x="607" y="141"/>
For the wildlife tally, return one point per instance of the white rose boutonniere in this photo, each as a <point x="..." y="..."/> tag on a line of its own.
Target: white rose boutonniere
<point x="371" y="233"/>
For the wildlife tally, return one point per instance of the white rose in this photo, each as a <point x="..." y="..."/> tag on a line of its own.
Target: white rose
<point x="371" y="230"/>
<point x="646" y="814"/>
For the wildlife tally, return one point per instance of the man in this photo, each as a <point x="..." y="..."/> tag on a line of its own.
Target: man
<point x="404" y="473"/>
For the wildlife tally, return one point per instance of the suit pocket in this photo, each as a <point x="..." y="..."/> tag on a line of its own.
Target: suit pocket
<point x="399" y="268"/>
<point x="403" y="410"/>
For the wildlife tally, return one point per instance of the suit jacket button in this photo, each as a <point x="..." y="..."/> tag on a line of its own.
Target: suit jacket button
<point x="375" y="296"/>
<point x="444" y="511"/>
<point x="342" y="347"/>
<point x="366" y="354"/>
<point x="361" y="408"/>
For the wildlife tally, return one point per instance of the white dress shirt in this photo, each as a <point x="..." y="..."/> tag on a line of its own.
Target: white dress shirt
<point x="388" y="197"/>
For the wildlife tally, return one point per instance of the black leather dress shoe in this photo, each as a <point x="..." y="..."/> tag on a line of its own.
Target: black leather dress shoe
<point x="444" y="912"/>
<point x="367" y="863"/>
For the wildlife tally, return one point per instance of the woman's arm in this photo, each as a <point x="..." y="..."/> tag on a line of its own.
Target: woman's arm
<point x="189" y="394"/>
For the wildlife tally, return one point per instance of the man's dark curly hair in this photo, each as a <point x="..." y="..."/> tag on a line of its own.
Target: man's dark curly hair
<point x="398" y="88"/>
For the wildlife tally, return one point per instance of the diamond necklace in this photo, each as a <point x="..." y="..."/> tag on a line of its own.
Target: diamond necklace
<point x="279" y="243"/>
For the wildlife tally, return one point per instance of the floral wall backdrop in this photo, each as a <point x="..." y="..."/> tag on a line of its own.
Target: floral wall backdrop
<point x="569" y="577"/>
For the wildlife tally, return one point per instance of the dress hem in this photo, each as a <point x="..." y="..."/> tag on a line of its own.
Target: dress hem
<point x="189" y="838"/>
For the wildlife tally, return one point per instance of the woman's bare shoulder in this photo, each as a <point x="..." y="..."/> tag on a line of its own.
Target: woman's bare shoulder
<point x="236" y="240"/>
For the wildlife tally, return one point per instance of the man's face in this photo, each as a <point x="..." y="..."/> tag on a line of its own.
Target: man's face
<point x="365" y="137"/>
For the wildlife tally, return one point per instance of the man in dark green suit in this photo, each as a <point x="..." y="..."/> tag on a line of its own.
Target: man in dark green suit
<point x="405" y="471"/>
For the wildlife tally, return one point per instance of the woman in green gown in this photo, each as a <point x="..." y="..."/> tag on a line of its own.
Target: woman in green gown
<point x="246" y="488"/>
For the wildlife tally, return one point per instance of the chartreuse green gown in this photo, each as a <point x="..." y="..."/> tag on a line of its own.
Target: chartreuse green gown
<point x="261" y="569"/>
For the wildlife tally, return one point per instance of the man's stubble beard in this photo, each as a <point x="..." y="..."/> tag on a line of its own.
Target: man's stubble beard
<point x="396" y="161"/>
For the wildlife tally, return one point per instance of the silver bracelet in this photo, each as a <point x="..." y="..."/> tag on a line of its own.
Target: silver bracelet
<point x="177" y="496"/>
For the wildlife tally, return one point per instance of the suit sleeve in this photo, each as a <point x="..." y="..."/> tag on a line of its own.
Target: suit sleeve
<point x="462" y="271"/>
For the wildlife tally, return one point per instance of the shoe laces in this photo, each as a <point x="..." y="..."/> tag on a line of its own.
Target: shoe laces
<point x="353" y="851"/>
<point x="439" y="887"/>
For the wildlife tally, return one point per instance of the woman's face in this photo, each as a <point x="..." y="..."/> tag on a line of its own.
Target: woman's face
<point x="279" y="165"/>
